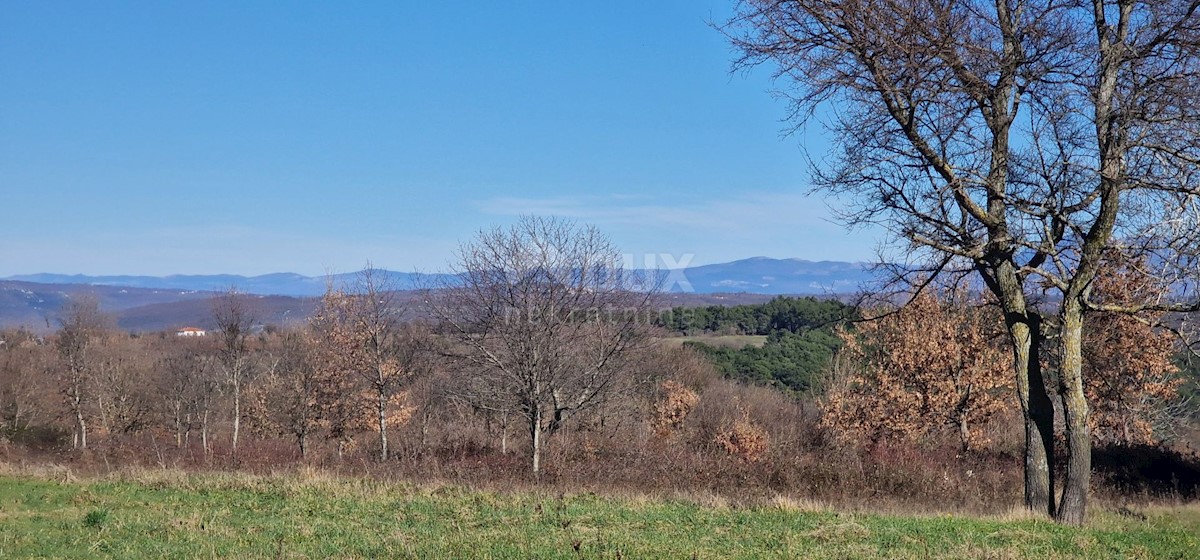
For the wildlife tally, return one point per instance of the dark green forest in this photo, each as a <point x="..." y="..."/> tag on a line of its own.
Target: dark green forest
<point x="800" y="338"/>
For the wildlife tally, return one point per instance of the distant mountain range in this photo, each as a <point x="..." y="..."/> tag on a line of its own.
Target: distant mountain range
<point x="38" y="306"/>
<point x="152" y="303"/>
<point x="278" y="284"/>
<point x="762" y="275"/>
<point x="757" y="275"/>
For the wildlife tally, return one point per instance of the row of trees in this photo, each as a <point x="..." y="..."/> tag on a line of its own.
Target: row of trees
<point x="541" y="328"/>
<point x="792" y="314"/>
<point x="544" y="324"/>
<point x="800" y="345"/>
<point x="296" y="383"/>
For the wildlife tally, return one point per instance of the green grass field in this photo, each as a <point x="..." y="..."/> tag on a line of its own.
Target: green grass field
<point x="176" y="515"/>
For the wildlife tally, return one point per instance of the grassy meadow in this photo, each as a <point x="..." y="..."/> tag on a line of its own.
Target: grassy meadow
<point x="171" y="514"/>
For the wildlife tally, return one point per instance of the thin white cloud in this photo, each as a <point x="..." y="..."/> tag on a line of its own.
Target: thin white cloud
<point x="733" y="212"/>
<point x="650" y="228"/>
<point x="710" y="230"/>
<point x="737" y="213"/>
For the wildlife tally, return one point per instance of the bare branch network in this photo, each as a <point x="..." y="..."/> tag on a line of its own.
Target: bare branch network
<point x="1039" y="142"/>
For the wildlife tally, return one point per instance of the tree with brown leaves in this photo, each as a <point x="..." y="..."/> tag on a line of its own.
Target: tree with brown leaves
<point x="1132" y="382"/>
<point x="368" y="355"/>
<point x="931" y="365"/>
<point x="288" y="397"/>
<point x="676" y="401"/>
<point x="334" y="355"/>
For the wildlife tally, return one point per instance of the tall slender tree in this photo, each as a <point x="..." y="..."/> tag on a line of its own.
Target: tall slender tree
<point x="369" y="343"/>
<point x="83" y="326"/>
<point x="233" y="314"/>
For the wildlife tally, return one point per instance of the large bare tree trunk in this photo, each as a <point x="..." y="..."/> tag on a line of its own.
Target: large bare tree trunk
<point x="178" y="420"/>
<point x="1073" y="507"/>
<point x="102" y="413"/>
<point x="1038" y="413"/>
<point x="204" y="432"/>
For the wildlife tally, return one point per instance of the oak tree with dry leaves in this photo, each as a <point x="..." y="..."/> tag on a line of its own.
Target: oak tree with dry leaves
<point x="938" y="363"/>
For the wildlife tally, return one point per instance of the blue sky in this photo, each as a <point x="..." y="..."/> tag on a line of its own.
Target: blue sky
<point x="256" y="137"/>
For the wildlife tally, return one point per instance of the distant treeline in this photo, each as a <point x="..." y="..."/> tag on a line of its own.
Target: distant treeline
<point x="800" y="338"/>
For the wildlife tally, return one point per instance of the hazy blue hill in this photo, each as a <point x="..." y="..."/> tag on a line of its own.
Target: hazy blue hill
<point x="757" y="275"/>
<point x="174" y="282"/>
<point x="150" y="303"/>
<point x="282" y="284"/>
<point x="38" y="306"/>
<point x="762" y="275"/>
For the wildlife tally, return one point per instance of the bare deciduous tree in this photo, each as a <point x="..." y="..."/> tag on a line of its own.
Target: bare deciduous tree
<point x="1021" y="138"/>
<point x="83" y="325"/>
<point x="545" y="320"/>
<point x="187" y="387"/>
<point x="234" y="318"/>
<point x="24" y="364"/>
<point x="289" y="391"/>
<point x="122" y="387"/>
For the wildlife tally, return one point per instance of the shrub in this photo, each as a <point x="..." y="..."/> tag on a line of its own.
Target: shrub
<point x="744" y="439"/>
<point x="673" y="407"/>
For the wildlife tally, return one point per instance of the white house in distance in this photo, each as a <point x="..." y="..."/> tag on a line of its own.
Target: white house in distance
<point x="191" y="331"/>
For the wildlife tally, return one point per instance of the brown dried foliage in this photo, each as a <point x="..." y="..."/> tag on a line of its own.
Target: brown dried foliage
<point x="1130" y="380"/>
<point x="673" y="406"/>
<point x="933" y="364"/>
<point x="744" y="439"/>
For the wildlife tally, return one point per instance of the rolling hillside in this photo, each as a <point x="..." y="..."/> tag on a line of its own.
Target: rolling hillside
<point x="150" y="303"/>
<point x="757" y="275"/>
